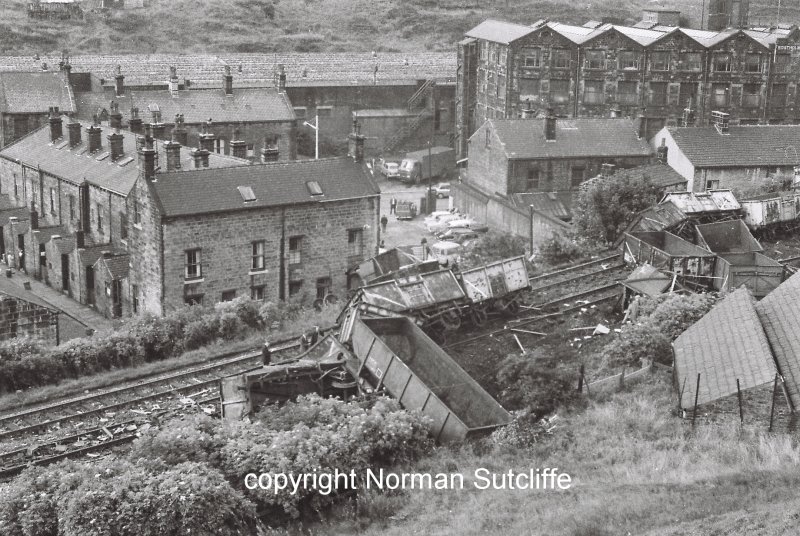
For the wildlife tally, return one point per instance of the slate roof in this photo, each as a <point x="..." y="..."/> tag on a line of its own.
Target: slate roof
<point x="726" y="344"/>
<point x="743" y="146"/>
<point x="22" y="93"/>
<point x="523" y="139"/>
<point x="660" y="175"/>
<point x="16" y="212"/>
<point x="196" y="105"/>
<point x="118" y="266"/>
<point x="499" y="31"/>
<point x="76" y="164"/>
<point x="276" y="184"/>
<point x="779" y="312"/>
<point x="44" y="234"/>
<point x="302" y="69"/>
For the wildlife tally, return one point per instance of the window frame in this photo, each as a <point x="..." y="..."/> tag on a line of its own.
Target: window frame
<point x="594" y="59"/>
<point x="727" y="92"/>
<point x="532" y="54"/>
<point x="355" y="242"/>
<point x="747" y="64"/>
<point x="256" y="256"/>
<point x="662" y="95"/>
<point x="631" y="57"/>
<point x="685" y="62"/>
<point x="533" y="178"/>
<point x="751" y="99"/>
<point x="257" y="290"/>
<point x="295" y="254"/>
<point x="99" y="214"/>
<point x="723" y="59"/>
<point x="594" y="97"/>
<point x="665" y="65"/>
<point x="572" y="171"/>
<point x="197" y="263"/>
<point x="559" y="54"/>
<point x="559" y="98"/>
<point x="634" y="100"/>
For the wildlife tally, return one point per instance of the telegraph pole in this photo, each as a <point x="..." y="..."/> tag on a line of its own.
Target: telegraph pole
<point x="315" y="126"/>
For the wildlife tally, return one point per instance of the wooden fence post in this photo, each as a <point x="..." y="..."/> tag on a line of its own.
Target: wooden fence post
<point x="580" y="379"/>
<point x="622" y="380"/>
<point x="739" y="396"/>
<point x="772" y="409"/>
<point x="696" y="394"/>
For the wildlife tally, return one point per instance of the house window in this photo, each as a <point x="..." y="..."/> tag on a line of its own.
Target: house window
<point x="559" y="91"/>
<point x="629" y="60"/>
<point x="228" y="295"/>
<point x="751" y="95"/>
<point x="687" y="94"/>
<point x="532" y="180"/>
<point x="323" y="111"/>
<point x="627" y="93"/>
<point x="576" y="176"/>
<point x="123" y="225"/>
<point x="300" y="112"/>
<point x="251" y="150"/>
<point x="192" y="268"/>
<point x="135" y="298"/>
<point x="783" y="63"/>
<point x="294" y="287"/>
<point x="721" y="62"/>
<point x="529" y="88"/>
<point x="658" y="93"/>
<point x="16" y="190"/>
<point x="778" y="98"/>
<point x="355" y="242"/>
<point x="712" y="184"/>
<point x="691" y="61"/>
<point x="560" y="58"/>
<point x="137" y="216"/>
<point x="295" y="245"/>
<point x="533" y="57"/>
<point x="595" y="59"/>
<point x="53" y="201"/>
<point x="719" y="95"/>
<point x="323" y="287"/>
<point x="593" y="92"/>
<point x="659" y="60"/>
<point x="72" y="208"/>
<point x="257" y="262"/>
<point x="752" y="63"/>
<point x="99" y="210"/>
<point x="193" y="299"/>
<point x="257" y="292"/>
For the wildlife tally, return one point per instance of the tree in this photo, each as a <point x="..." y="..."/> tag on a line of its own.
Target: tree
<point x="493" y="247"/>
<point x="607" y="205"/>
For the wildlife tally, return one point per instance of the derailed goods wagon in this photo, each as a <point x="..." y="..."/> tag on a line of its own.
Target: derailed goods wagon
<point x="398" y="356"/>
<point x="496" y="285"/>
<point x="691" y="265"/>
<point x="754" y="270"/>
<point x="780" y="209"/>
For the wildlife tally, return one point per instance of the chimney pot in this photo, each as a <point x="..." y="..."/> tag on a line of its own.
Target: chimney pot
<point x="74" y="130"/>
<point x="56" y="130"/>
<point x="147" y="158"/>
<point x="115" y="145"/>
<point x="94" y="134"/>
<point x="356" y="143"/>
<point x="173" y="151"/>
<point x="135" y="122"/>
<point x="119" y="82"/>
<point x="227" y="81"/>
<point x="200" y="158"/>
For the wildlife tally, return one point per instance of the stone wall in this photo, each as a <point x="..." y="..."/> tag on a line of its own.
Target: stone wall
<point x="21" y="318"/>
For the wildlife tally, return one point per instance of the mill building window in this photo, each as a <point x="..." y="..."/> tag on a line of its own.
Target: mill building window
<point x="722" y="62"/>
<point x="627" y="93"/>
<point x="752" y="63"/>
<point x="778" y="98"/>
<point x="532" y="180"/>
<point x="691" y="61"/>
<point x="595" y="59"/>
<point x="751" y="95"/>
<point x="659" y="60"/>
<point x="629" y="60"/>
<point x="658" y="93"/>
<point x="593" y="92"/>
<point x="533" y="57"/>
<point x="560" y="58"/>
<point x="559" y="91"/>
<point x="783" y="63"/>
<point x="719" y="95"/>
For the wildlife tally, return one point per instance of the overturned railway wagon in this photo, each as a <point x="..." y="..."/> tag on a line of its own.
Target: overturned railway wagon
<point x="780" y="209"/>
<point x="692" y="265"/>
<point x="397" y="355"/>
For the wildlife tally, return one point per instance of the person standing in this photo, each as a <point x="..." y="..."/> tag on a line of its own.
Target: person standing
<point x="393" y="206"/>
<point x="266" y="354"/>
<point x="384" y="222"/>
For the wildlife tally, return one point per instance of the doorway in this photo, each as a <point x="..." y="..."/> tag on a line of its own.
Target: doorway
<point x="65" y="272"/>
<point x="90" y="285"/>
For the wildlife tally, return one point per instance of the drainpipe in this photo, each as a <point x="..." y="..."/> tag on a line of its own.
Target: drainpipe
<point x="282" y="253"/>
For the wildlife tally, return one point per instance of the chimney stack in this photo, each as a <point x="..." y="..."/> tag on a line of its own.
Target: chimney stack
<point x="119" y="85"/>
<point x="180" y="134"/>
<point x="115" y="145"/>
<point x="238" y="146"/>
<point x="281" y="78"/>
<point x="227" y="81"/>
<point x="147" y="160"/>
<point x="173" y="150"/>
<point x="156" y="126"/>
<point x="207" y="137"/>
<point x="528" y="112"/>
<point x="74" y="129"/>
<point x="94" y="135"/>
<point x="56" y="130"/>
<point x="720" y="120"/>
<point x="661" y="152"/>
<point x="607" y="170"/>
<point x="115" y="117"/>
<point x="356" y="141"/>
<point x="270" y="152"/>
<point x="550" y="126"/>
<point x="135" y="122"/>
<point x="200" y="158"/>
<point x="173" y="81"/>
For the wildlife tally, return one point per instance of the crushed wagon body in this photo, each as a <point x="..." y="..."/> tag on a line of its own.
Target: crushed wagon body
<point x="497" y="282"/>
<point x="692" y="265"/>
<point x="391" y="264"/>
<point x="779" y="208"/>
<point x="396" y="355"/>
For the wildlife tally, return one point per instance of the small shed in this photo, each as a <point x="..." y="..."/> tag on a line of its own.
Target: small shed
<point x="693" y="265"/>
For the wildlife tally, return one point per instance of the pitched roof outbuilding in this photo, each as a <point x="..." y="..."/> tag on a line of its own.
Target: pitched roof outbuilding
<point x="742" y="146"/>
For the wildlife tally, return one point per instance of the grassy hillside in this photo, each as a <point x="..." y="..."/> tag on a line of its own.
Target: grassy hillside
<point x="636" y="470"/>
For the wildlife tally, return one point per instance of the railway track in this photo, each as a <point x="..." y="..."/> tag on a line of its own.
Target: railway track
<point x="124" y="404"/>
<point x="575" y="272"/>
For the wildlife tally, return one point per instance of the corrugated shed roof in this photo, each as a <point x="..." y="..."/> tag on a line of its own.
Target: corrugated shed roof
<point x="743" y="146"/>
<point x="583" y="137"/>
<point x="277" y="184"/>
<point x="657" y="218"/>
<point x="22" y="93"/>
<point x="76" y="164"/>
<point x="726" y="344"/>
<point x="196" y="105"/>
<point x="779" y="312"/>
<point x="692" y="203"/>
<point x="499" y="31"/>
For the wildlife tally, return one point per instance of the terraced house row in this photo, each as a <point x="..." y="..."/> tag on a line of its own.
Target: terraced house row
<point x="670" y="76"/>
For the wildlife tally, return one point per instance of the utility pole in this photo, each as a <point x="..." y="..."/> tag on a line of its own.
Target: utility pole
<point x="430" y="146"/>
<point x="315" y="126"/>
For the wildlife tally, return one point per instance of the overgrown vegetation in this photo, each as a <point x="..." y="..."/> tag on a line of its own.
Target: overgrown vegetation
<point x="561" y="249"/>
<point x="188" y="477"/>
<point x="606" y="206"/>
<point x="659" y="322"/>
<point x="492" y="246"/>
<point x="26" y="363"/>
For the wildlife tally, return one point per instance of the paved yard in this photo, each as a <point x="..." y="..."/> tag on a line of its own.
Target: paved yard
<point x="405" y="232"/>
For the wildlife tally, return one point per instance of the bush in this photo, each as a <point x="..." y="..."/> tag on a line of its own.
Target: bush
<point x="534" y="382"/>
<point x="560" y="250"/>
<point x="492" y="247"/>
<point x="636" y="343"/>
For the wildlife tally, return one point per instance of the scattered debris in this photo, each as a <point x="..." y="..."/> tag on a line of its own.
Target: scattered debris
<point x="601" y="330"/>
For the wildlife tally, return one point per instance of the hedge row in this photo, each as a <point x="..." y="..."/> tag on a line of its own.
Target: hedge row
<point x="189" y="476"/>
<point x="26" y="363"/>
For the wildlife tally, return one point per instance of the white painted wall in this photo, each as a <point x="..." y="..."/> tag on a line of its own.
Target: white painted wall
<point x="675" y="157"/>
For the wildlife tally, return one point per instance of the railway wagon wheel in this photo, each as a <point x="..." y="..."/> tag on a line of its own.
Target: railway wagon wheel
<point x="511" y="306"/>
<point x="478" y="316"/>
<point x="451" y="319"/>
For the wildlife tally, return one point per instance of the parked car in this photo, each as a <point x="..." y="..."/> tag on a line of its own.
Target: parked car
<point x="442" y="190"/>
<point x="406" y="210"/>
<point x="431" y="218"/>
<point x="458" y="234"/>
<point x="446" y="252"/>
<point x="390" y="170"/>
<point x="440" y="223"/>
